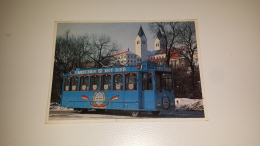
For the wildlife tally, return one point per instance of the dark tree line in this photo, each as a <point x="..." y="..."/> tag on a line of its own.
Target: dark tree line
<point x="183" y="35"/>
<point x="85" y="51"/>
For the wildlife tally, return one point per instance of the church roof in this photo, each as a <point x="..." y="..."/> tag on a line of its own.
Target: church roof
<point x="150" y="53"/>
<point x="141" y="32"/>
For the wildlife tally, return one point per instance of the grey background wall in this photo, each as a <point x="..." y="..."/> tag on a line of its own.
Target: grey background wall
<point x="229" y="49"/>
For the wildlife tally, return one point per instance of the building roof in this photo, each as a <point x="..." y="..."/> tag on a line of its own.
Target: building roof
<point x="157" y="60"/>
<point x="141" y="32"/>
<point x="125" y="52"/>
<point x="163" y="51"/>
<point x="150" y="53"/>
<point x="120" y="53"/>
<point x="175" y="54"/>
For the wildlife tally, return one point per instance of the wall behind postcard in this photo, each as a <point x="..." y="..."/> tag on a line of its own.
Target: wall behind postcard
<point x="228" y="42"/>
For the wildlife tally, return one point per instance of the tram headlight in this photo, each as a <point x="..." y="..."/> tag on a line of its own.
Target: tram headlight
<point x="158" y="105"/>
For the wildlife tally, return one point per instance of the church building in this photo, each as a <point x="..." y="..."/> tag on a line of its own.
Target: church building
<point x="128" y="58"/>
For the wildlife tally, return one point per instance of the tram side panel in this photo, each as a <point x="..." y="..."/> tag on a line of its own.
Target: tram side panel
<point x="131" y="100"/>
<point x="148" y="98"/>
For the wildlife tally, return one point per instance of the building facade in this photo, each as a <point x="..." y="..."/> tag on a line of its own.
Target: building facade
<point x="126" y="58"/>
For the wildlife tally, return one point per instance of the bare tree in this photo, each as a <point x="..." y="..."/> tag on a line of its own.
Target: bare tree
<point x="170" y="32"/>
<point x="187" y="38"/>
<point x="102" y="48"/>
<point x="75" y="52"/>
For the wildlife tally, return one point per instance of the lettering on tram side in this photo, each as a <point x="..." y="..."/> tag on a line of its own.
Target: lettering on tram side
<point x="108" y="70"/>
<point x="91" y="71"/>
<point x="120" y="69"/>
<point x="86" y="71"/>
<point x="82" y="72"/>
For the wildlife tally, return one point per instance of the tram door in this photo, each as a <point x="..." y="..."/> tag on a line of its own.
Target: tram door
<point x="147" y="90"/>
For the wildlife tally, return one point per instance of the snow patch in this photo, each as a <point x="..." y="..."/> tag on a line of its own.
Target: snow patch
<point x="56" y="106"/>
<point x="189" y="104"/>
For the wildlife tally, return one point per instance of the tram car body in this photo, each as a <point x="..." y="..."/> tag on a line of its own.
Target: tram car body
<point x="145" y="87"/>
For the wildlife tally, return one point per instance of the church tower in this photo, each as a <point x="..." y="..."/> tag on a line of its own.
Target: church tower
<point x="159" y="42"/>
<point x="141" y="45"/>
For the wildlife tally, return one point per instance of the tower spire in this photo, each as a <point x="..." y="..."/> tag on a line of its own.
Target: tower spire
<point x="141" y="32"/>
<point x="159" y="34"/>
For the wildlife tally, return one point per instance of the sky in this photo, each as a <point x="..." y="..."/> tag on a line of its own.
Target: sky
<point x="123" y="33"/>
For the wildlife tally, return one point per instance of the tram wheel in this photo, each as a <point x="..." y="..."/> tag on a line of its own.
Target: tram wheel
<point x="155" y="113"/>
<point x="136" y="113"/>
<point x="79" y="110"/>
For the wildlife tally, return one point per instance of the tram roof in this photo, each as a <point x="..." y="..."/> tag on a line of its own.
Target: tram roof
<point x="143" y="67"/>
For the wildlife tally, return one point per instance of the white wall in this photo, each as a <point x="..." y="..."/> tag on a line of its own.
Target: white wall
<point x="229" y="38"/>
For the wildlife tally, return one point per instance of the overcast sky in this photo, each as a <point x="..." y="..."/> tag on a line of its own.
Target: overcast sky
<point x="123" y="33"/>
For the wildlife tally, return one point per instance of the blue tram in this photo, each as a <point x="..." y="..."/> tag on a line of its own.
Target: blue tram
<point x="145" y="87"/>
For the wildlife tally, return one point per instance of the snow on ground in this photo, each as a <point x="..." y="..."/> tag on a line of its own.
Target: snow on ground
<point x="189" y="104"/>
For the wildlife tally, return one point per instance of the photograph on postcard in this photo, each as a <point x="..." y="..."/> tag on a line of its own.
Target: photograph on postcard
<point x="126" y="70"/>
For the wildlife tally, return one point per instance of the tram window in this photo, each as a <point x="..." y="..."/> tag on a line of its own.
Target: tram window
<point x="118" y="82"/>
<point x="94" y="82"/>
<point x="168" y="81"/>
<point x="84" y="83"/>
<point x="159" y="80"/>
<point x="147" y="81"/>
<point x="66" y="84"/>
<point x="73" y="83"/>
<point x="106" y="82"/>
<point x="130" y="81"/>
